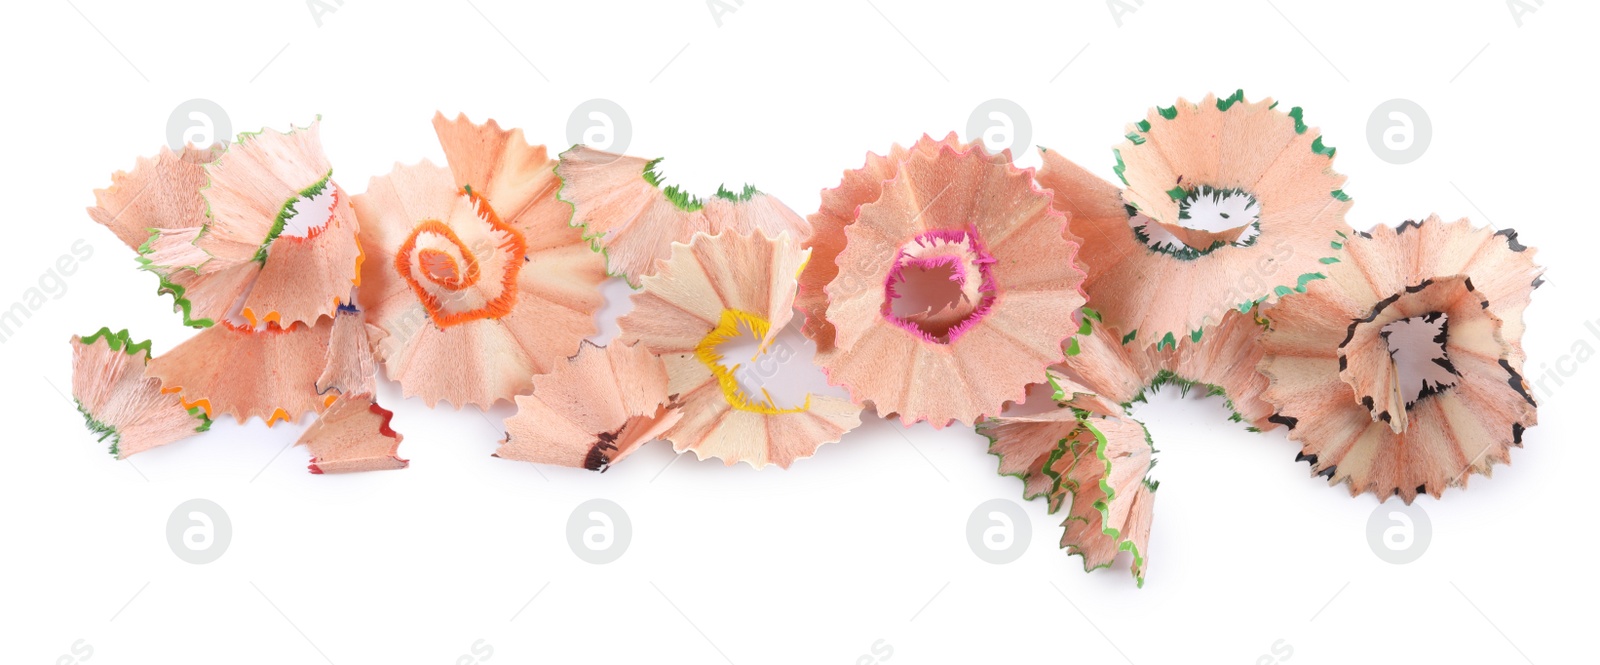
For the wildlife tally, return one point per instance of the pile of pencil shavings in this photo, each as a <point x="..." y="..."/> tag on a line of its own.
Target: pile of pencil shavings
<point x="937" y="282"/>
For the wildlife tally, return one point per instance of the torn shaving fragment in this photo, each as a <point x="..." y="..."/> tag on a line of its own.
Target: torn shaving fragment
<point x="593" y="410"/>
<point x="711" y="290"/>
<point x="1228" y="204"/>
<point x="476" y="282"/>
<point x="118" y="401"/>
<point x="1087" y="455"/>
<point x="348" y="367"/>
<point x="956" y="287"/>
<point x="1386" y="409"/>
<point x="279" y="240"/>
<point x="629" y="216"/>
<point x="353" y="435"/>
<point x="269" y="374"/>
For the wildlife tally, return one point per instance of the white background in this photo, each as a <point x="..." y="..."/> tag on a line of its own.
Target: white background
<point x="866" y="542"/>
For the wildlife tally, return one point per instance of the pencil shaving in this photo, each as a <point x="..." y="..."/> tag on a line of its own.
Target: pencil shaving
<point x="475" y="282"/>
<point x="353" y="435"/>
<point x="161" y="192"/>
<point x="279" y="240"/>
<point x="593" y="410"/>
<point x="1402" y="375"/>
<point x="712" y="290"/>
<point x="120" y="402"/>
<point x="1221" y="361"/>
<point x="1228" y="204"/>
<point x="1087" y="456"/>
<point x="269" y="374"/>
<point x="955" y="288"/>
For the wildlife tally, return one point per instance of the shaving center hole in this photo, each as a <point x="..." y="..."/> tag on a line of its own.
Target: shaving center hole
<point x="1417" y="349"/>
